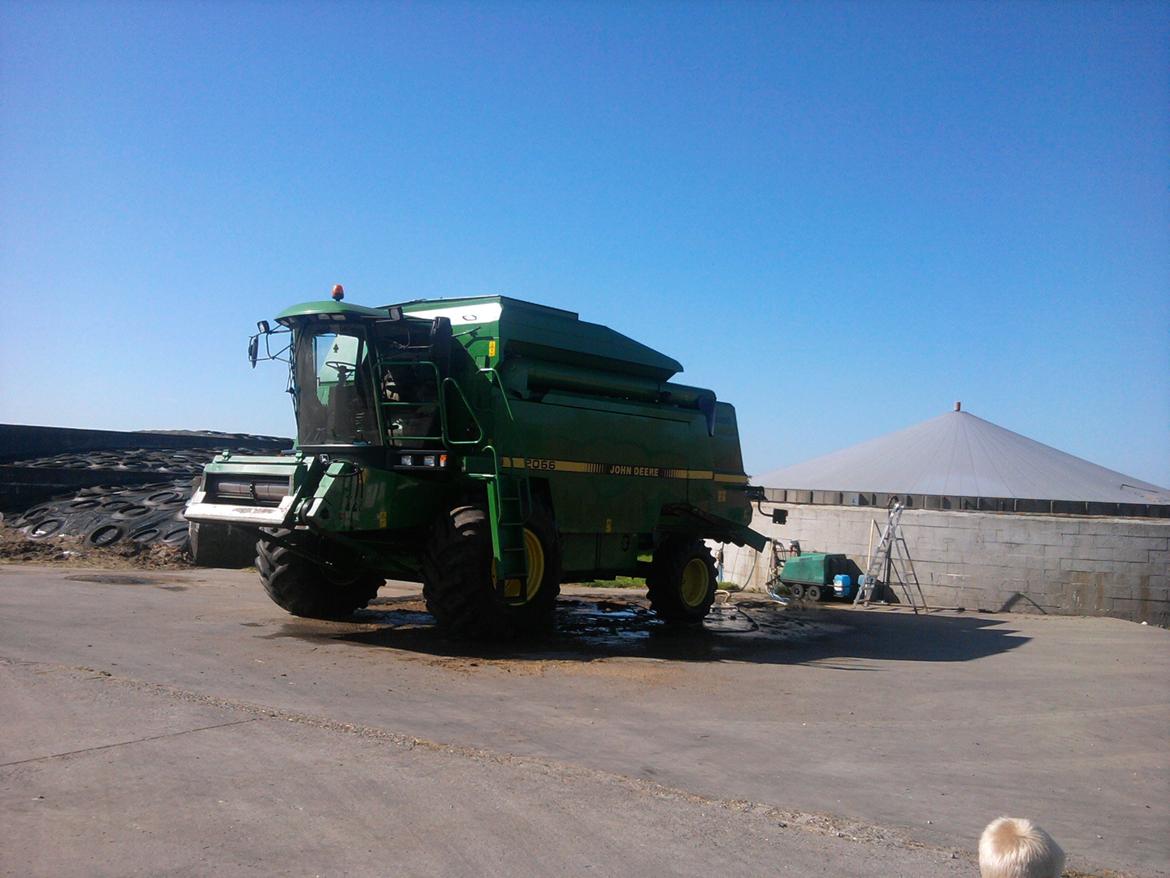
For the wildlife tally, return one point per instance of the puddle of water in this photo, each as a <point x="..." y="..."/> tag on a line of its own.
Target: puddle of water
<point x="395" y="618"/>
<point x="586" y="629"/>
<point x="728" y="619"/>
<point x="598" y="620"/>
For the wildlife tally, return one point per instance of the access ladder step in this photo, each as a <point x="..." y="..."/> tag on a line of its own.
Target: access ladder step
<point x="511" y="564"/>
<point x="507" y="508"/>
<point x="511" y="510"/>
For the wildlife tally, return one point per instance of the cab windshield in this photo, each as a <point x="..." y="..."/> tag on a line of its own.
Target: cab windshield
<point x="332" y="388"/>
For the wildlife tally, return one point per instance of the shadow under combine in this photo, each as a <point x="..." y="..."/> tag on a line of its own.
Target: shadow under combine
<point x="591" y="628"/>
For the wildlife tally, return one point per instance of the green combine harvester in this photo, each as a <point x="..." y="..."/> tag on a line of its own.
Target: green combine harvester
<point x="489" y="448"/>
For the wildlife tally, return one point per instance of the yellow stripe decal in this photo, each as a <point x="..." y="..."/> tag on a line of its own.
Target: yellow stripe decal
<point x="730" y="479"/>
<point x="544" y="464"/>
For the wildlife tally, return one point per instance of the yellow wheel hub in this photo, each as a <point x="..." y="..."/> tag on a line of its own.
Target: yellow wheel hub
<point x="695" y="579"/>
<point x="534" y="554"/>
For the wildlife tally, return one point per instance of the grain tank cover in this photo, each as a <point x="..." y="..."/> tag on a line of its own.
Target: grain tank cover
<point x="551" y="334"/>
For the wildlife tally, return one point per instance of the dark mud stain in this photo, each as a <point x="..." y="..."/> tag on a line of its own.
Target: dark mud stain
<point x="587" y="629"/>
<point x="125" y="579"/>
<point x="114" y="579"/>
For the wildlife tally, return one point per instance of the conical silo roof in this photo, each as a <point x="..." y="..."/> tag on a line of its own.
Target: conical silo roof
<point x="961" y="454"/>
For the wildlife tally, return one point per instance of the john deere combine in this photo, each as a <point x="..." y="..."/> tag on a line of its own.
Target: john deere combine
<point x="489" y="448"/>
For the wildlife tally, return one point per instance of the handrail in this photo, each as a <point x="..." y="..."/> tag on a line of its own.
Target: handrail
<point x="497" y="474"/>
<point x="491" y="450"/>
<point x="491" y="372"/>
<point x="380" y="362"/>
<point x="440" y="403"/>
<point x="467" y="405"/>
<point x="524" y="477"/>
<point x="444" y="421"/>
<point x="416" y="406"/>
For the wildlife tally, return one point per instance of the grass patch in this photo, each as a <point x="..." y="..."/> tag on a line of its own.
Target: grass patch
<point x="639" y="582"/>
<point x="619" y="582"/>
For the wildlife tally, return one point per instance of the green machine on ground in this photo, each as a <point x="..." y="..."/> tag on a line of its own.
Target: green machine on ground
<point x="812" y="575"/>
<point x="489" y="448"/>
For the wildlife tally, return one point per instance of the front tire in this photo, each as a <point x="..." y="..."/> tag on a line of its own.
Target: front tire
<point x="681" y="584"/>
<point x="459" y="581"/>
<point x="312" y="590"/>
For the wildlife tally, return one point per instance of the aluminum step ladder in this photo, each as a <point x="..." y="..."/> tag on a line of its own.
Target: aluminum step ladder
<point x="892" y="560"/>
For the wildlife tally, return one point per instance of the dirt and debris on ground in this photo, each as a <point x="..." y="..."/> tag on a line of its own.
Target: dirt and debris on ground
<point x="66" y="551"/>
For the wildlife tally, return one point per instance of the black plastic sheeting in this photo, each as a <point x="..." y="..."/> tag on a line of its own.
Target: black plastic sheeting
<point x="108" y="495"/>
<point x="39" y="464"/>
<point x="184" y="462"/>
<point x="25" y="440"/>
<point x="132" y="495"/>
<point x="103" y="516"/>
<point x="25" y="484"/>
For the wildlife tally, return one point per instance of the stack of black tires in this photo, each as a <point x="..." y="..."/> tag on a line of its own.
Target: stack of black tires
<point x="102" y="516"/>
<point x="139" y="502"/>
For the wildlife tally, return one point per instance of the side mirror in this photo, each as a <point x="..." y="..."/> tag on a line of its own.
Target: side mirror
<point x="253" y="349"/>
<point x="264" y="327"/>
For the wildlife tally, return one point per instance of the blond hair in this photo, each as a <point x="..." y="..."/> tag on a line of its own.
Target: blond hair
<point x="1015" y="848"/>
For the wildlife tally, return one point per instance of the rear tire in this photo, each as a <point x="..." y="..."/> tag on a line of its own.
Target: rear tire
<point x="458" y="582"/>
<point x="681" y="584"/>
<point x="813" y="593"/>
<point x="307" y="589"/>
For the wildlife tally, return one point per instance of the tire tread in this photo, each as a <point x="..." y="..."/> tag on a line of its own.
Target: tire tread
<point x="303" y="588"/>
<point x="457" y="586"/>
<point x="663" y="584"/>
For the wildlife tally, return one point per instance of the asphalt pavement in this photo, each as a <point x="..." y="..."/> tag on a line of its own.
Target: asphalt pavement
<point x="163" y="722"/>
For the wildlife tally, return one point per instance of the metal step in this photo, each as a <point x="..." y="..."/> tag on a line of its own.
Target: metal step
<point x="508" y="510"/>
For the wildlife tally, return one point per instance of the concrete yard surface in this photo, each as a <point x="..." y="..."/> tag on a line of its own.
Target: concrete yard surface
<point x="179" y="723"/>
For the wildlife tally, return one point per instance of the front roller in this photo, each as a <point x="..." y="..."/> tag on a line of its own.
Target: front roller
<point x="681" y="584"/>
<point x="459" y="582"/>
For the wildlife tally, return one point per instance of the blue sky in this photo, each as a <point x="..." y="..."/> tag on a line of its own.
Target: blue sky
<point x="842" y="217"/>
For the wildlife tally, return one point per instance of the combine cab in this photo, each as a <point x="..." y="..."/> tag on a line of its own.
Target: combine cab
<point x="489" y="448"/>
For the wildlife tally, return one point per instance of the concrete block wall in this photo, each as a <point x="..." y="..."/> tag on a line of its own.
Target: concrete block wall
<point x="995" y="561"/>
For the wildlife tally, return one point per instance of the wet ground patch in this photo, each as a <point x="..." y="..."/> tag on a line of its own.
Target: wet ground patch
<point x="113" y="579"/>
<point x="125" y="579"/>
<point x="588" y="628"/>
